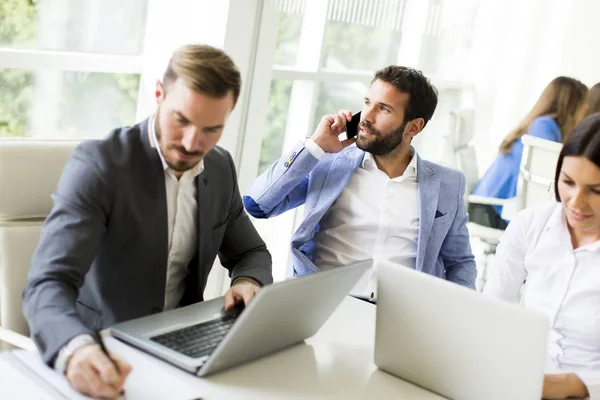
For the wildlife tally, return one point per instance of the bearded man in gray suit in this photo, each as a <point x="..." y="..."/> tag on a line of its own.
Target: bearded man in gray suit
<point x="138" y="220"/>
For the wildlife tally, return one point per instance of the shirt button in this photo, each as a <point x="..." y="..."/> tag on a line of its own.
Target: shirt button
<point x="372" y="295"/>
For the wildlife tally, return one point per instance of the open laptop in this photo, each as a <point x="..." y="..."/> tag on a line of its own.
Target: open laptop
<point x="454" y="341"/>
<point x="203" y="339"/>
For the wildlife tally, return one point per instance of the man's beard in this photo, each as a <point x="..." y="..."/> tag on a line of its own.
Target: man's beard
<point x="379" y="144"/>
<point x="177" y="165"/>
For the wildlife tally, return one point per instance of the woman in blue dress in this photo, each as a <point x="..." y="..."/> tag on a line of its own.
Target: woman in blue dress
<point x="561" y="106"/>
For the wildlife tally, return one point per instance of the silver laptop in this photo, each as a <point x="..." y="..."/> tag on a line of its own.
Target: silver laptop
<point x="203" y="339"/>
<point x="454" y="341"/>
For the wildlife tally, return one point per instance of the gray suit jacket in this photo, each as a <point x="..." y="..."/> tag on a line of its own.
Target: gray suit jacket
<point x="102" y="256"/>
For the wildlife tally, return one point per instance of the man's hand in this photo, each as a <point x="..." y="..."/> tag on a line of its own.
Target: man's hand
<point x="92" y="373"/>
<point x="328" y="130"/>
<point x="244" y="289"/>
<point x="561" y="386"/>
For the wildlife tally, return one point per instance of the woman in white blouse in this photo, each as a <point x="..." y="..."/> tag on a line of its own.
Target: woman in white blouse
<point x="556" y="248"/>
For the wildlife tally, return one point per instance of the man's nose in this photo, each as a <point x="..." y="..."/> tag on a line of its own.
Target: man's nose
<point x="367" y="115"/>
<point x="192" y="140"/>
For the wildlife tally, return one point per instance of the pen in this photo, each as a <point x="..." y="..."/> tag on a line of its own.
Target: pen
<point x="105" y="351"/>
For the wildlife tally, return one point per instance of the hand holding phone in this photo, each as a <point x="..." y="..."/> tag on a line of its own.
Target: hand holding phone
<point x="331" y="126"/>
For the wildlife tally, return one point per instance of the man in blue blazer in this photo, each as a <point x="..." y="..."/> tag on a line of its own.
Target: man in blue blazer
<point x="372" y="196"/>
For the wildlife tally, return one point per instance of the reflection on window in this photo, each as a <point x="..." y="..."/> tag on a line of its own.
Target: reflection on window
<point x="15" y="95"/>
<point x="362" y="35"/>
<point x="288" y="35"/>
<point x="339" y="96"/>
<point x="50" y="103"/>
<point x="275" y="123"/>
<point x="433" y="35"/>
<point x="94" y="26"/>
<point x="434" y="142"/>
<point x="448" y="37"/>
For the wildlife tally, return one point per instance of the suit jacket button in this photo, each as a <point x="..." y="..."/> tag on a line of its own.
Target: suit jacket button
<point x="155" y="310"/>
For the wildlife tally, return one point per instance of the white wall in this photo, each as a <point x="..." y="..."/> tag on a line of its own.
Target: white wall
<point x="519" y="50"/>
<point x="581" y="54"/>
<point x="521" y="46"/>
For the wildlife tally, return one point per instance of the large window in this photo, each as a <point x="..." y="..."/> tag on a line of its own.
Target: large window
<point x="69" y="68"/>
<point x="322" y="55"/>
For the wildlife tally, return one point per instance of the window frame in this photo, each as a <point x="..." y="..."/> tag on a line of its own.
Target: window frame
<point x="306" y="77"/>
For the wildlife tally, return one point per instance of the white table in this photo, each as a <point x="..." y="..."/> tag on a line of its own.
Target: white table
<point x="337" y="363"/>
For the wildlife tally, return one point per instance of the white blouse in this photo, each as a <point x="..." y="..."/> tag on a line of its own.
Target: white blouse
<point x="562" y="283"/>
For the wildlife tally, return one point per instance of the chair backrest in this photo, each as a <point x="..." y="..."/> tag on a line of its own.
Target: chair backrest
<point x="465" y="158"/>
<point x="536" y="175"/>
<point x="29" y="172"/>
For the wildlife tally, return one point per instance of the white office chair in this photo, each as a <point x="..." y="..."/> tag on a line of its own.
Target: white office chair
<point x="535" y="184"/>
<point x="536" y="173"/>
<point x="465" y="159"/>
<point x="29" y="172"/>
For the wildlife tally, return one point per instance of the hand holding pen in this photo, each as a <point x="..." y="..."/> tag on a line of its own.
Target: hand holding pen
<point x="95" y="372"/>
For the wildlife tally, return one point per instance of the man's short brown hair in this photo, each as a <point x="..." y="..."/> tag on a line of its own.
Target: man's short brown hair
<point x="422" y="99"/>
<point x="204" y="69"/>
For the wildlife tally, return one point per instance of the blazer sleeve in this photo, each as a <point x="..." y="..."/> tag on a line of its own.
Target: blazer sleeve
<point x="283" y="186"/>
<point x="242" y="250"/>
<point x="456" y="249"/>
<point x="69" y="241"/>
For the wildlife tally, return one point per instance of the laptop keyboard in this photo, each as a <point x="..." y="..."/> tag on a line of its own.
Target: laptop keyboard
<point x="201" y="339"/>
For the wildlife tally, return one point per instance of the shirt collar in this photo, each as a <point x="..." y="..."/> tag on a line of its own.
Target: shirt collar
<point x="192" y="173"/>
<point x="369" y="163"/>
<point x="594" y="247"/>
<point x="557" y="219"/>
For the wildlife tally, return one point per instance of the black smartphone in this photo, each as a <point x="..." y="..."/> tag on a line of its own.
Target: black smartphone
<point x="352" y="126"/>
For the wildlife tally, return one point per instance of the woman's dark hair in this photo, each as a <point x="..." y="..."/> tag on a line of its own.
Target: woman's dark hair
<point x="583" y="142"/>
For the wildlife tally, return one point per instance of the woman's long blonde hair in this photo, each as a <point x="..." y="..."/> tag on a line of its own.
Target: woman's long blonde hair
<point x="562" y="99"/>
<point x="594" y="99"/>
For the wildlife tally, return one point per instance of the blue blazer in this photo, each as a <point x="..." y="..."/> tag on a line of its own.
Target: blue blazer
<point x="298" y="178"/>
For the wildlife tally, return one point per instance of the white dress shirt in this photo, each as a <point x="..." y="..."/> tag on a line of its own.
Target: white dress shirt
<point x="562" y="283"/>
<point x="182" y="214"/>
<point x="375" y="218"/>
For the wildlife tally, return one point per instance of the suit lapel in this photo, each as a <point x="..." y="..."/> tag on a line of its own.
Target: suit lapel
<point x="203" y="191"/>
<point x="428" y="185"/>
<point x="154" y="182"/>
<point x="340" y="173"/>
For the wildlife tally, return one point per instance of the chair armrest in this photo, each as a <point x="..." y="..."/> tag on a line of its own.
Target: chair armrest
<point x="492" y="201"/>
<point x="17" y="339"/>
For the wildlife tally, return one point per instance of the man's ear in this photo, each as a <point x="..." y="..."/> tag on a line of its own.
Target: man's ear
<point x="159" y="93"/>
<point x="414" y="127"/>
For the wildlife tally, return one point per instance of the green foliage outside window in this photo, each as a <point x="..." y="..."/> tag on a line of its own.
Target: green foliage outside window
<point x="79" y="94"/>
